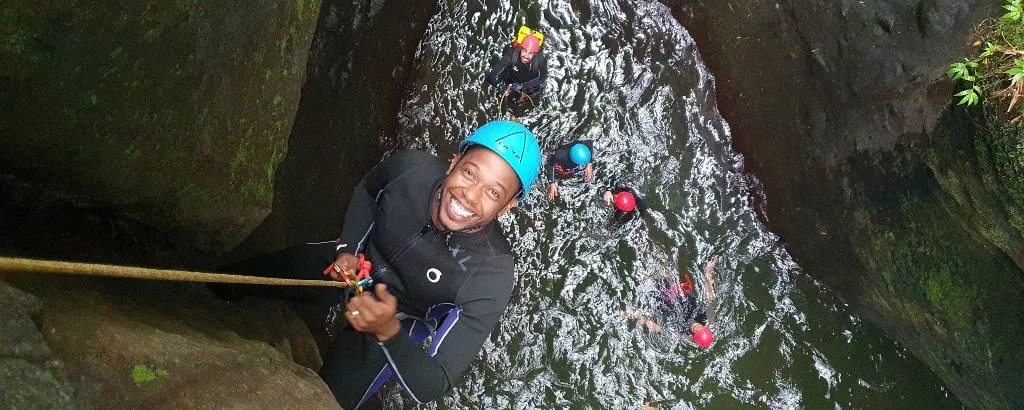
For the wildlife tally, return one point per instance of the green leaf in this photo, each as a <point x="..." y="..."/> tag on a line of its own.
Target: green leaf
<point x="957" y="70"/>
<point x="1017" y="72"/>
<point x="990" y="49"/>
<point x="969" y="96"/>
<point x="1014" y="11"/>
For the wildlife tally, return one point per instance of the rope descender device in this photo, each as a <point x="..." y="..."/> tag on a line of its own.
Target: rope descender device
<point x="359" y="280"/>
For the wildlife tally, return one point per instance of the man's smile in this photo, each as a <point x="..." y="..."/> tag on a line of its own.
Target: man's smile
<point x="458" y="211"/>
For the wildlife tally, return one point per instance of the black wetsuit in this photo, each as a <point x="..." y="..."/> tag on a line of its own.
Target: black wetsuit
<point x="510" y="70"/>
<point x="560" y="165"/>
<point x="426" y="269"/>
<point x="682" y="311"/>
<point x="430" y="272"/>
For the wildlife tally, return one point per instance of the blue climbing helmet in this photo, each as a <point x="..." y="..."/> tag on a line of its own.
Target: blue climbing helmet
<point x="579" y="153"/>
<point x="515" y="144"/>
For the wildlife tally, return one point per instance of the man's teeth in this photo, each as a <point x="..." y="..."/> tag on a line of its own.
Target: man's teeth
<point x="459" y="210"/>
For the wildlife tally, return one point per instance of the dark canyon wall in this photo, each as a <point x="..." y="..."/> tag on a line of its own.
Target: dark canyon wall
<point x="179" y="115"/>
<point x="176" y="112"/>
<point x="360" y="64"/>
<point x="877" y="187"/>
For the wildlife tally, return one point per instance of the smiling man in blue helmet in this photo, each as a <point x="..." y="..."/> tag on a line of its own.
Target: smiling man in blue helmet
<point x="441" y="263"/>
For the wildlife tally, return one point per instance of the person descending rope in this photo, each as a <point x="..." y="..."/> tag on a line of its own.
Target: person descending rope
<point x="522" y="69"/>
<point x="567" y="161"/>
<point x="680" y="306"/>
<point x="440" y="264"/>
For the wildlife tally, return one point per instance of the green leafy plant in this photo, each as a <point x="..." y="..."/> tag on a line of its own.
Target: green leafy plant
<point x="999" y="67"/>
<point x="1017" y="71"/>
<point x="969" y="96"/>
<point x="965" y="70"/>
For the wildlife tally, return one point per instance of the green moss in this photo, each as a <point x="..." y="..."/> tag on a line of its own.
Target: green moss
<point x="132" y="153"/>
<point x="282" y="46"/>
<point x="240" y="158"/>
<point x="922" y="260"/>
<point x="190" y="193"/>
<point x="142" y="374"/>
<point x="135" y="91"/>
<point x="951" y="298"/>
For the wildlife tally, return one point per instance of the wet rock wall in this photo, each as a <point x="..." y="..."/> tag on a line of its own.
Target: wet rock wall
<point x="877" y="187"/>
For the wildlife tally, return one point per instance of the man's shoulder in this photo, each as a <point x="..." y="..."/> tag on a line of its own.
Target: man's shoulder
<point x="494" y="246"/>
<point x="402" y="161"/>
<point x="413" y="157"/>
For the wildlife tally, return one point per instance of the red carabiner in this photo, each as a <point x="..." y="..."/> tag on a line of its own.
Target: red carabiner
<point x="364" y="267"/>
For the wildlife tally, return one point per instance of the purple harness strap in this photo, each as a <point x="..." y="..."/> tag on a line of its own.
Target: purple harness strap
<point x="418" y="332"/>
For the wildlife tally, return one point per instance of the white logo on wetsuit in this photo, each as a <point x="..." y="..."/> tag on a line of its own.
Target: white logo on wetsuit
<point x="433" y="275"/>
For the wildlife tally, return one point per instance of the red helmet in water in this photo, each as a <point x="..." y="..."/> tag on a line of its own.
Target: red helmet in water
<point x="703" y="337"/>
<point x="625" y="202"/>
<point x="531" y="42"/>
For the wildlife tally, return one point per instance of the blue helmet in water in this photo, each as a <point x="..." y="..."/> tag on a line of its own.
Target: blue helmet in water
<point x="514" y="143"/>
<point x="579" y="154"/>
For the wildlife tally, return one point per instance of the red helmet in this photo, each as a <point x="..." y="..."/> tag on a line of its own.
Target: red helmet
<point x="703" y="337"/>
<point x="531" y="42"/>
<point x="625" y="202"/>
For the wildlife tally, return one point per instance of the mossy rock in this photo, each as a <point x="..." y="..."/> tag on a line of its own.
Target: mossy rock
<point x="937" y="273"/>
<point x="140" y="344"/>
<point x="175" y="112"/>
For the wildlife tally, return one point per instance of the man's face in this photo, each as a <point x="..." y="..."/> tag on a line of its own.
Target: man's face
<point x="525" y="56"/>
<point x="480" y="187"/>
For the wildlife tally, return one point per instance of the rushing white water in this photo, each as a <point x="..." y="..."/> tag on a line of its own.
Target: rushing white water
<point x="627" y="75"/>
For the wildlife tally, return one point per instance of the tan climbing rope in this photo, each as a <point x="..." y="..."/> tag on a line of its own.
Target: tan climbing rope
<point x="502" y="102"/>
<point x="19" y="265"/>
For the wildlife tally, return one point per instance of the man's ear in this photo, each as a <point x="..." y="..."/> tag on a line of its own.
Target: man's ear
<point x="455" y="160"/>
<point x="508" y="207"/>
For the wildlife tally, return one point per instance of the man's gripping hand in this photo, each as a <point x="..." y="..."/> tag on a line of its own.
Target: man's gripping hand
<point x="345" y="262"/>
<point x="374" y="314"/>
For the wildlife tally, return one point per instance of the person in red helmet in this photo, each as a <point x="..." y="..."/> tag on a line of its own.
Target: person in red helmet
<point x="521" y="72"/>
<point x="682" y="308"/>
<point x="627" y="203"/>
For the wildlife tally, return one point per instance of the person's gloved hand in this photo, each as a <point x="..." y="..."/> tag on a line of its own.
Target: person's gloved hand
<point x="516" y="87"/>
